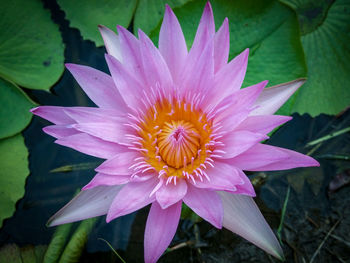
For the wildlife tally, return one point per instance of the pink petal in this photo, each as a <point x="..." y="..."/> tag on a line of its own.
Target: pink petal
<point x="206" y="203"/>
<point x="231" y="122"/>
<point x="130" y="49"/>
<point x="118" y="164"/>
<point x="204" y="35"/>
<point x="262" y="123"/>
<point x="221" y="46"/>
<point x="60" y="131"/>
<point x="155" y="68"/>
<point x="198" y="74"/>
<point x="172" y="44"/>
<point x="293" y="160"/>
<point x="107" y="179"/>
<point x="170" y="194"/>
<point x="239" y="100"/>
<point x="131" y="197"/>
<point x="229" y="78"/>
<point x="89" y="114"/>
<point x="108" y="131"/>
<point x="258" y="156"/>
<point x="111" y="41"/>
<point x="246" y="188"/>
<point x="239" y="141"/>
<point x="128" y="86"/>
<point x="160" y="229"/>
<point x="242" y="216"/>
<point x="90" y="145"/>
<point x="53" y="114"/>
<point x="98" y="86"/>
<point x="87" y="204"/>
<point x="221" y="177"/>
<point x="271" y="99"/>
<point x="206" y="24"/>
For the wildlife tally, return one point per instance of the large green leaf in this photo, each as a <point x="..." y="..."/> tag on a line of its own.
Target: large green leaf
<point x="150" y="12"/>
<point x="325" y="26"/>
<point x="268" y="28"/>
<point x="31" y="49"/>
<point x="14" y="111"/>
<point x="87" y="15"/>
<point x="13" y="173"/>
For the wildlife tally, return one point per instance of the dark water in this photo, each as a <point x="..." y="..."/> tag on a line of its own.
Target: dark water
<point x="311" y="212"/>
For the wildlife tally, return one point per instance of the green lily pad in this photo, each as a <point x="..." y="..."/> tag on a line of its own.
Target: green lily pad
<point x="325" y="26"/>
<point x="268" y="28"/>
<point x="13" y="173"/>
<point x="87" y="15"/>
<point x="150" y="12"/>
<point x="14" y="111"/>
<point x="31" y="49"/>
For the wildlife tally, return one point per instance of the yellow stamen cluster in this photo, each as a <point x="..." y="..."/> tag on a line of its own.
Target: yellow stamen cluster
<point x="176" y="138"/>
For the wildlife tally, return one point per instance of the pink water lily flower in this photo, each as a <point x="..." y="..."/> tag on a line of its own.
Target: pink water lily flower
<point x="174" y="126"/>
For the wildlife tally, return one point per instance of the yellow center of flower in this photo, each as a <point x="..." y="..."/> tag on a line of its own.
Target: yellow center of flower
<point x="175" y="139"/>
<point x="178" y="143"/>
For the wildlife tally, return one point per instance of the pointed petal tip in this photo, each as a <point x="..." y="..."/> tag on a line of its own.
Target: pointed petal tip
<point x="208" y="5"/>
<point x="33" y="110"/>
<point x="168" y="9"/>
<point x="313" y="163"/>
<point x="69" y="65"/>
<point x="246" y="51"/>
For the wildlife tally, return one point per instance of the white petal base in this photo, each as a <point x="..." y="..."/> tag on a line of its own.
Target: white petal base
<point x="243" y="217"/>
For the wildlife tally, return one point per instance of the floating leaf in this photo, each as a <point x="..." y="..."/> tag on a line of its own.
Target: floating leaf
<point x="150" y="12"/>
<point x="14" y="170"/>
<point x="87" y="15"/>
<point x="31" y="49"/>
<point x="325" y="26"/>
<point x="14" y="109"/>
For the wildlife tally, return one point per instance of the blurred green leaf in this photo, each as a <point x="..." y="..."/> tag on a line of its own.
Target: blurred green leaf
<point x="87" y="15"/>
<point x="31" y="48"/>
<point x="10" y="253"/>
<point x="187" y="213"/>
<point x="13" y="173"/>
<point x="326" y="36"/>
<point x="40" y="252"/>
<point x="150" y="12"/>
<point x="28" y="254"/>
<point x="57" y="243"/>
<point x="14" y="111"/>
<point x="76" y="244"/>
